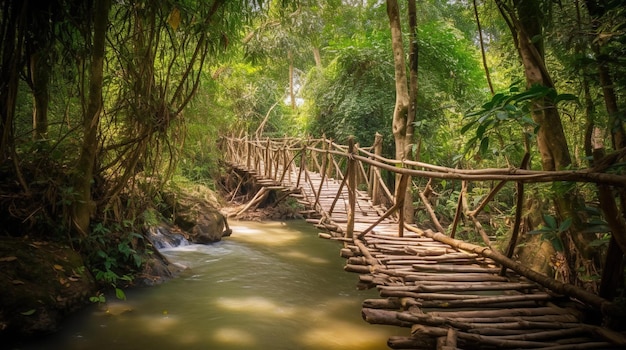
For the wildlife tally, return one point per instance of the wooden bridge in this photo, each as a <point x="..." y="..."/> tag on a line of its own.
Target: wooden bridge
<point x="449" y="294"/>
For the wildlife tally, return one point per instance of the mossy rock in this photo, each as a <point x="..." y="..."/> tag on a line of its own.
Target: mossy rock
<point x="194" y="211"/>
<point x="40" y="283"/>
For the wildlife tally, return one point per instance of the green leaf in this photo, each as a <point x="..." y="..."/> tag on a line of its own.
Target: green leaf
<point x="594" y="229"/>
<point x="550" y="221"/>
<point x="543" y="230"/>
<point x="502" y="115"/>
<point x="480" y="131"/>
<point x="565" y="225"/>
<point x="467" y="127"/>
<point x="120" y="294"/>
<point x="557" y="244"/>
<point x="28" y="313"/>
<point x="565" y="97"/>
<point x="484" y="146"/>
<point x="528" y="120"/>
<point x="599" y="243"/>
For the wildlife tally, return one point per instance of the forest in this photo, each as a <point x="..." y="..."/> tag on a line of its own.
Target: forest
<point x="110" y="108"/>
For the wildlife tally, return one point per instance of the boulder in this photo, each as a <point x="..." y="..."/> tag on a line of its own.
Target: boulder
<point x="199" y="219"/>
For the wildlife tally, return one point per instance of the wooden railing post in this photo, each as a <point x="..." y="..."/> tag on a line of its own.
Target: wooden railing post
<point x="323" y="171"/>
<point x="375" y="172"/>
<point x="267" y="163"/>
<point x="246" y="148"/>
<point x="351" y="188"/>
<point x="302" y="164"/>
<point x="519" y="204"/>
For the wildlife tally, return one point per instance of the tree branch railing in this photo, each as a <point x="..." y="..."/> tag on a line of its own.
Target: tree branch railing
<point x="360" y="168"/>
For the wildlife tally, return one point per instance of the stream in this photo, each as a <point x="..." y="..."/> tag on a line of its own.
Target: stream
<point x="271" y="285"/>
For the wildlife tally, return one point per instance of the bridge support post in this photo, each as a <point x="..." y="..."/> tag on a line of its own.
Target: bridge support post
<point x="267" y="163"/>
<point x="302" y="164"/>
<point x="375" y="172"/>
<point x="351" y="188"/>
<point x="246" y="149"/>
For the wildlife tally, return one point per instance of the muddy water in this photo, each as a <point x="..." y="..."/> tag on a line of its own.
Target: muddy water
<point x="270" y="285"/>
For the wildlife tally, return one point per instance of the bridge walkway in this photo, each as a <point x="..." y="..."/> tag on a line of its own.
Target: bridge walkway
<point x="449" y="296"/>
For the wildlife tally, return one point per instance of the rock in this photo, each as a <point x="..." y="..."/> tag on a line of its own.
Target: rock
<point x="40" y="283"/>
<point x="209" y="227"/>
<point x="156" y="270"/>
<point x="198" y="218"/>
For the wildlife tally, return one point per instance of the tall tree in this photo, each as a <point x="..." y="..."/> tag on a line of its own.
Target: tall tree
<point x="13" y="33"/>
<point x="401" y="110"/>
<point x="83" y="206"/>
<point x="406" y="89"/>
<point x="525" y="19"/>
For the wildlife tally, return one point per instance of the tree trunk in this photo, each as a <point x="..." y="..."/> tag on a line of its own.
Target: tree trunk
<point x="481" y="42"/>
<point x="596" y="11"/>
<point x="317" y="57"/>
<point x="409" y="211"/>
<point x="40" y="76"/>
<point x="13" y="15"/>
<point x="401" y="118"/>
<point x="83" y="205"/>
<point x="612" y="271"/>
<point x="525" y="22"/>
<point x="292" y="95"/>
<point x="400" y="113"/>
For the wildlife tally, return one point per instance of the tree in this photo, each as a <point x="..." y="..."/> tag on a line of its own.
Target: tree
<point x="83" y="205"/>
<point x="401" y="110"/>
<point x="526" y="22"/>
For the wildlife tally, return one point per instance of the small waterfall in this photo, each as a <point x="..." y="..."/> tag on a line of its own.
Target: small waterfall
<point x="162" y="237"/>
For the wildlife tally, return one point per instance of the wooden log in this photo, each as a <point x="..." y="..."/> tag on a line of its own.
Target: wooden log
<point x="478" y="286"/>
<point x="386" y="291"/>
<point x="455" y="261"/>
<point x="450" y="339"/>
<point x="324" y="235"/>
<point x="547" y="310"/>
<point x="607" y="307"/>
<point x="366" y="253"/>
<point x="388" y="303"/>
<point x="438" y="300"/>
<point x="480" y="340"/>
<point x="430" y="256"/>
<point x="420" y="251"/>
<point x="455" y="268"/>
<point x="512" y="328"/>
<point x="357" y="260"/>
<point x="346" y="253"/>
<point x="450" y="277"/>
<point x="400" y="342"/>
<point x="357" y="268"/>
<point x="582" y="346"/>
<point x="526" y="334"/>
<point x="258" y="198"/>
<point x="377" y="316"/>
<point x="540" y="318"/>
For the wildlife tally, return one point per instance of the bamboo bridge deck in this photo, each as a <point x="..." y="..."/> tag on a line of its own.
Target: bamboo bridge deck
<point x="448" y="294"/>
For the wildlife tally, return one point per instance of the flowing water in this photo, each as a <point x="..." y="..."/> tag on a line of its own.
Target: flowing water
<point x="271" y="285"/>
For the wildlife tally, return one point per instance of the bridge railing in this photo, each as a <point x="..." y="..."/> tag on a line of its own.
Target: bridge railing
<point x="359" y="169"/>
<point x="280" y="158"/>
